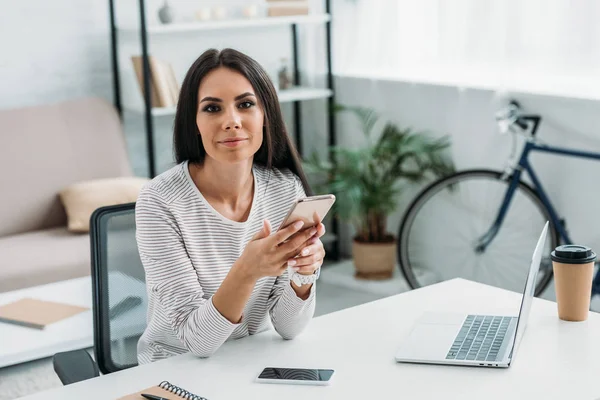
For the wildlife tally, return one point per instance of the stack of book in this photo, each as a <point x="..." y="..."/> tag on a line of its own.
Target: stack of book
<point x="280" y="8"/>
<point x="165" y="88"/>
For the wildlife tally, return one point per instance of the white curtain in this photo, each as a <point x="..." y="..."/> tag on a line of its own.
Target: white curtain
<point x="548" y="36"/>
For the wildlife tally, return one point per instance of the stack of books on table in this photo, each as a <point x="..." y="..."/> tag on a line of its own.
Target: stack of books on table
<point x="280" y="8"/>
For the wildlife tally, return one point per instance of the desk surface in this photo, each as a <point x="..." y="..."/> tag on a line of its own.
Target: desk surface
<point x="556" y="359"/>
<point x="20" y="344"/>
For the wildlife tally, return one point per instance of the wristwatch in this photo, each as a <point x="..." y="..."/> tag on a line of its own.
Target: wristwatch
<point x="300" y="279"/>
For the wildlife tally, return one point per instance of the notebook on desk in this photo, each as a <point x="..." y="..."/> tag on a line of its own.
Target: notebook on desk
<point x="37" y="314"/>
<point x="164" y="390"/>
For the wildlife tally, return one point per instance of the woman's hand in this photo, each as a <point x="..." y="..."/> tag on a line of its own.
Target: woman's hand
<point x="310" y="258"/>
<point x="268" y="255"/>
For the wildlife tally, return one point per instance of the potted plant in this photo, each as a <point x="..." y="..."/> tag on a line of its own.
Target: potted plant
<point x="367" y="183"/>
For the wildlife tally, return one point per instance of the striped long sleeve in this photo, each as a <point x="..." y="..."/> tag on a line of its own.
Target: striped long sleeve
<point x="187" y="249"/>
<point x="172" y="280"/>
<point x="289" y="313"/>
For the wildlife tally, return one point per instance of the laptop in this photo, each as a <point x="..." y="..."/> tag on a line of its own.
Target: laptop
<point x="471" y="339"/>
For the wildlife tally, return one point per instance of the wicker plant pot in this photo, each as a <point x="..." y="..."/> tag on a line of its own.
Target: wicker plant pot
<point x="374" y="261"/>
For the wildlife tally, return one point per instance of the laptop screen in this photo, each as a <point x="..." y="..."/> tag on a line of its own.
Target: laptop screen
<point x="529" y="291"/>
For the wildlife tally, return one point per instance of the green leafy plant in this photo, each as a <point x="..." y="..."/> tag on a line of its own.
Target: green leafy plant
<point x="368" y="181"/>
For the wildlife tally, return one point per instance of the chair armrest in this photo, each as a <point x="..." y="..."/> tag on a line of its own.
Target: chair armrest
<point x="74" y="366"/>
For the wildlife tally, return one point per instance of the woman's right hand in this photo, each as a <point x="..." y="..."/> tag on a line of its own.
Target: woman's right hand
<point x="267" y="255"/>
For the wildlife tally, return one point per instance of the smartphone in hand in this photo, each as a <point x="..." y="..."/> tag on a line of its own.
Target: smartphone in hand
<point x="309" y="209"/>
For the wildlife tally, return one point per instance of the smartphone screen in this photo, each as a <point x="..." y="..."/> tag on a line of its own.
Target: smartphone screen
<point x="296" y="374"/>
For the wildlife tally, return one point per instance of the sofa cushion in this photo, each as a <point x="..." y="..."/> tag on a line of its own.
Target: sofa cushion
<point x="82" y="198"/>
<point x="48" y="147"/>
<point x="41" y="257"/>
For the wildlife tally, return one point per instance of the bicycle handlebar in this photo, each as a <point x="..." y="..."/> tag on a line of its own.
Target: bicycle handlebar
<point x="511" y="119"/>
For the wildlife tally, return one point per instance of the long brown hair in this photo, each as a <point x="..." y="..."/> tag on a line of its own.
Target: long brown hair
<point x="277" y="150"/>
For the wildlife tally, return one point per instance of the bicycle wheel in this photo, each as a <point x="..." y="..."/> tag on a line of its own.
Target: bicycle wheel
<point x="438" y="234"/>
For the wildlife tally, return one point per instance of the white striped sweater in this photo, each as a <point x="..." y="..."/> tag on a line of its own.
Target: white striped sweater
<point x="187" y="248"/>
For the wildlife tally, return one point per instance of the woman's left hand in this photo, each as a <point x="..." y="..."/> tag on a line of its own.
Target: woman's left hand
<point x="310" y="257"/>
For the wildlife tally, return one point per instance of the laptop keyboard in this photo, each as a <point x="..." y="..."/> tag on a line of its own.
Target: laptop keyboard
<point x="479" y="338"/>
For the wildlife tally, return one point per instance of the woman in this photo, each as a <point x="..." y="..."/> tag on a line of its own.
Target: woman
<point x="215" y="270"/>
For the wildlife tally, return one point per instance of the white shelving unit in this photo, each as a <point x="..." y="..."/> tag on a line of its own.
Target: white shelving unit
<point x="285" y="96"/>
<point x="134" y="101"/>
<point x="228" y="24"/>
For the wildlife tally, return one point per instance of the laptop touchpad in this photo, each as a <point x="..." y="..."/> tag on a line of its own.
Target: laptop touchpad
<point x="442" y="318"/>
<point x="430" y="340"/>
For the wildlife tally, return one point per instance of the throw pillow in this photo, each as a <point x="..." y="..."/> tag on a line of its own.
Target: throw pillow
<point x="81" y="199"/>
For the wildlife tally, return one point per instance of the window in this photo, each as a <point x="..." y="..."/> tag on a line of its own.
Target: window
<point x="501" y="42"/>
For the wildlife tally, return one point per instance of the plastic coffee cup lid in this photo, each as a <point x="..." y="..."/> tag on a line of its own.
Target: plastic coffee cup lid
<point x="573" y="254"/>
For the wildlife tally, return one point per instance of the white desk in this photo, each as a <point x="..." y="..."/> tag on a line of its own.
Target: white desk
<point x="20" y="344"/>
<point x="557" y="360"/>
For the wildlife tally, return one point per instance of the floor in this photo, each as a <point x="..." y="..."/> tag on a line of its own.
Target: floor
<point x="337" y="289"/>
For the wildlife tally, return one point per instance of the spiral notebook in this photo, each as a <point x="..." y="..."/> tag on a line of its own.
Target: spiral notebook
<point x="166" y="391"/>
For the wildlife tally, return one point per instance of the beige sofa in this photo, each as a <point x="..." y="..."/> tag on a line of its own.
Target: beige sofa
<point x="42" y="150"/>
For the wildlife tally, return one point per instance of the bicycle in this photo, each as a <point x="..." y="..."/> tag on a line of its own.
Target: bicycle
<point x="497" y="219"/>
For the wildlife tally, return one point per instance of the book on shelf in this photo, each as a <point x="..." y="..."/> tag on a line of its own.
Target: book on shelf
<point x="281" y="8"/>
<point x="165" y="88"/>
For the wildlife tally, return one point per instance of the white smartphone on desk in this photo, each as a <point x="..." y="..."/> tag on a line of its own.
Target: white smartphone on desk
<point x="296" y="376"/>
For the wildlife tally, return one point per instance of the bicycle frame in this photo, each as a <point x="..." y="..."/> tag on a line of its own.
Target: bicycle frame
<point x="524" y="165"/>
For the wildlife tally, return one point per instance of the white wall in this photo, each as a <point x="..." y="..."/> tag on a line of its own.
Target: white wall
<point x="53" y="50"/>
<point x="468" y="117"/>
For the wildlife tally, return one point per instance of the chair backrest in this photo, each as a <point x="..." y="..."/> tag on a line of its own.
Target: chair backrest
<point x="120" y="300"/>
<point x="47" y="147"/>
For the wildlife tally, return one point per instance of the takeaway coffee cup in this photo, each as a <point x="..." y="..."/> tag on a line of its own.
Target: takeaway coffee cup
<point x="573" y="267"/>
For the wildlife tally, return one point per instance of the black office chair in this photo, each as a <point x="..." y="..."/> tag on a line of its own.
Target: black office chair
<point x="119" y="298"/>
